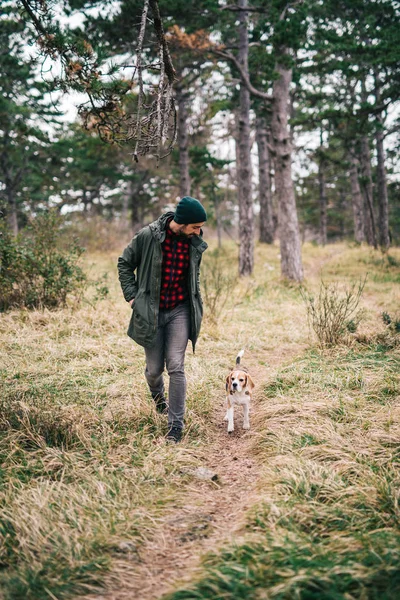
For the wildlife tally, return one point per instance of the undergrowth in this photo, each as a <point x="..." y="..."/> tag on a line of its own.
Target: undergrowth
<point x="329" y="524"/>
<point x="85" y="473"/>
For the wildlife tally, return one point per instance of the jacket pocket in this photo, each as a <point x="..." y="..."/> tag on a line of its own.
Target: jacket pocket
<point x="140" y="303"/>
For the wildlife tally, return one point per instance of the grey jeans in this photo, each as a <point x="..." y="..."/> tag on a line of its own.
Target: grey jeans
<point x="169" y="349"/>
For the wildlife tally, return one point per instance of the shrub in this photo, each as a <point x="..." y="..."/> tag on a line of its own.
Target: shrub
<point x="329" y="314"/>
<point x="393" y="323"/>
<point x="390" y="337"/>
<point x="217" y="285"/>
<point x="39" y="270"/>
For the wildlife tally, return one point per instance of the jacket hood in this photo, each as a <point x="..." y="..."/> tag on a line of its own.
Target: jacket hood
<point x="158" y="228"/>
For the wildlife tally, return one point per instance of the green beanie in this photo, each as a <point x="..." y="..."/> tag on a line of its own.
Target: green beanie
<point x="189" y="210"/>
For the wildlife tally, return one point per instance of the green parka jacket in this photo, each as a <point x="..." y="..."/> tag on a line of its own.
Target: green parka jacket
<point x="144" y="255"/>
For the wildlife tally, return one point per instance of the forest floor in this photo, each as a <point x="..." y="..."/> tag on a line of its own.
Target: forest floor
<point x="95" y="504"/>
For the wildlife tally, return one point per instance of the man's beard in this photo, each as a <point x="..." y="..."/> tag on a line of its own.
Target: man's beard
<point x="184" y="234"/>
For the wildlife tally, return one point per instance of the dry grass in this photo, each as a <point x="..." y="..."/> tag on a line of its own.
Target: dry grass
<point x="327" y="432"/>
<point x="86" y="476"/>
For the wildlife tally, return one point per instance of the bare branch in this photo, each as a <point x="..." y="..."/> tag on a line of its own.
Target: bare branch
<point x="151" y="128"/>
<point x="139" y="70"/>
<point x="290" y="5"/>
<point x="254" y="9"/>
<point x="392" y="130"/>
<point x="159" y="29"/>
<point x="34" y="18"/>
<point x="232" y="58"/>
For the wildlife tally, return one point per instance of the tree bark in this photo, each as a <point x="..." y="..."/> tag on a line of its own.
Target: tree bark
<point x="342" y="211"/>
<point x="357" y="200"/>
<point x="383" y="203"/>
<point x="183" y="143"/>
<point x="125" y="203"/>
<point x="246" y="214"/>
<point x="85" y="201"/>
<point x="217" y="208"/>
<point x="367" y="190"/>
<point x="136" y="218"/>
<point x="264" y="184"/>
<point x="291" y="264"/>
<point x="12" y="213"/>
<point x="9" y="186"/>
<point x="323" y="217"/>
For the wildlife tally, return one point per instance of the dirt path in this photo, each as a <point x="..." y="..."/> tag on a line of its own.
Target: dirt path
<point x="212" y="514"/>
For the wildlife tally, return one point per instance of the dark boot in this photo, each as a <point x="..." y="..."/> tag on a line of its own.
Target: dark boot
<point x="161" y="404"/>
<point x="174" y="434"/>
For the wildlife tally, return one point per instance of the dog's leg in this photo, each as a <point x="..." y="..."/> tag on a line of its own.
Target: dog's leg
<point x="246" y="410"/>
<point x="227" y="406"/>
<point x="229" y="415"/>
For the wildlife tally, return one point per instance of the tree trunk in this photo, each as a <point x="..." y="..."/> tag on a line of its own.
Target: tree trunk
<point x="85" y="201"/>
<point x="183" y="143"/>
<point x="342" y="211"/>
<point x="246" y="214"/>
<point x="291" y="264"/>
<point x="357" y="200"/>
<point x="264" y="184"/>
<point x="323" y="217"/>
<point x="125" y="203"/>
<point x="12" y="214"/>
<point x="134" y="204"/>
<point x="383" y="204"/>
<point x="367" y="189"/>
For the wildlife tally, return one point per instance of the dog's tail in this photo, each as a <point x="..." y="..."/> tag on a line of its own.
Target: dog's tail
<point x="239" y="356"/>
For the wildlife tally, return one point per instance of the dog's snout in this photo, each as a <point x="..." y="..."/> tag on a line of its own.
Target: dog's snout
<point x="234" y="384"/>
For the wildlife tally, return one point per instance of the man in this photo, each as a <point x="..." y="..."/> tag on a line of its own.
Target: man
<point x="159" y="276"/>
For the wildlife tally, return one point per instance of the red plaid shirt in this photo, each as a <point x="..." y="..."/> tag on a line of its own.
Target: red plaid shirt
<point x="175" y="267"/>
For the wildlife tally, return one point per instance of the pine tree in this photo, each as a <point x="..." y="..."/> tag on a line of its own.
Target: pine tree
<point x="356" y="45"/>
<point x="24" y="109"/>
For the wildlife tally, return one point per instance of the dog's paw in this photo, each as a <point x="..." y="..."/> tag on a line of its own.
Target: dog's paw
<point x="230" y="429"/>
<point x="246" y="425"/>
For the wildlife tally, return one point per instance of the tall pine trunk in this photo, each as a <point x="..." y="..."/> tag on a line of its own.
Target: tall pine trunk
<point x="183" y="142"/>
<point x="291" y="264"/>
<point x="383" y="203"/>
<point x="125" y="203"/>
<point x="367" y="190"/>
<point x="264" y="183"/>
<point x="12" y="213"/>
<point x="246" y="214"/>
<point x="357" y="199"/>
<point x="323" y="216"/>
<point x="217" y="209"/>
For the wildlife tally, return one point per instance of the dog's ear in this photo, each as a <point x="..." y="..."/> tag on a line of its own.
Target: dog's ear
<point x="249" y="382"/>
<point x="228" y="380"/>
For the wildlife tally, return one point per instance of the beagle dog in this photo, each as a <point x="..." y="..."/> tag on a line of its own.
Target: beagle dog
<point x="239" y="386"/>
